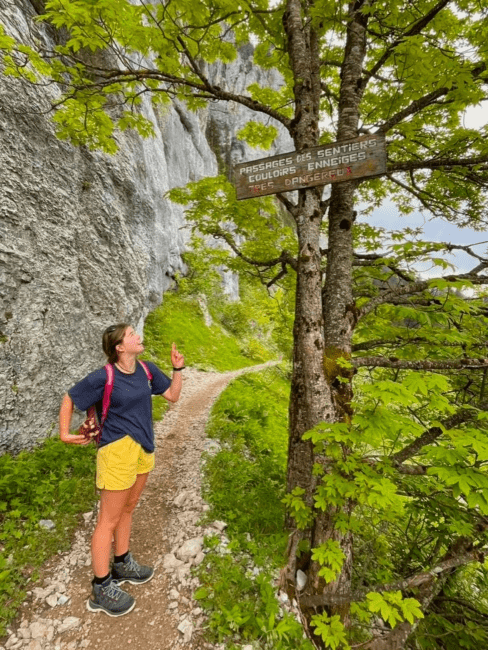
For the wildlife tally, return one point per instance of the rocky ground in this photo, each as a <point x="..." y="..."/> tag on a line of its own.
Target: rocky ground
<point x="165" y="534"/>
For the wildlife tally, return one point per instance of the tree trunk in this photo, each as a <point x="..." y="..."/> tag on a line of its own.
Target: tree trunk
<point x="310" y="399"/>
<point x="339" y="319"/>
<point x="322" y="332"/>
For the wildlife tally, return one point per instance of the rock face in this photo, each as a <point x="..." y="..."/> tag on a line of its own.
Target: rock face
<point x="88" y="239"/>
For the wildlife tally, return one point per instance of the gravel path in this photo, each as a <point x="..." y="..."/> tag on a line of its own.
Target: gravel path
<point x="165" y="535"/>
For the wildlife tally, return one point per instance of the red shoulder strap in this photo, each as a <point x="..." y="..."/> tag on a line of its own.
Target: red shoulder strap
<point x="107" y="391"/>
<point x="146" y="370"/>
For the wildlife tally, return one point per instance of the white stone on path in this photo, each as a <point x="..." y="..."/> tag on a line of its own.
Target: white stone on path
<point x="301" y="580"/>
<point x="171" y="562"/>
<point x="88" y="516"/>
<point x="69" y="623"/>
<point x="182" y="572"/>
<point x="38" y="630"/>
<point x="180" y="499"/>
<point x="199" y="558"/>
<point x="191" y="548"/>
<point x="186" y="628"/>
<point x="35" y="644"/>
<point x="52" y="600"/>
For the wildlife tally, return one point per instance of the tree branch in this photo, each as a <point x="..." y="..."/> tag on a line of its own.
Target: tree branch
<point x="404" y="364"/>
<point x="431" y="435"/>
<point x="417" y="287"/>
<point x="289" y="205"/>
<point x="436" y="163"/>
<point x="415" y="29"/>
<point x="380" y="343"/>
<point x="421" y="103"/>
<point x="284" y="258"/>
<point x="402" y="585"/>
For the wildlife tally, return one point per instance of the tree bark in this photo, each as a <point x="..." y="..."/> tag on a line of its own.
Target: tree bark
<point x="310" y="395"/>
<point x="339" y="310"/>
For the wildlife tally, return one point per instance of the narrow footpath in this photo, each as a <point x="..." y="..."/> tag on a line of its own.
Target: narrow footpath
<point x="165" y="535"/>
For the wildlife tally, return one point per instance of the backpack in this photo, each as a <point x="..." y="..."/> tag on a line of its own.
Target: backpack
<point x="92" y="426"/>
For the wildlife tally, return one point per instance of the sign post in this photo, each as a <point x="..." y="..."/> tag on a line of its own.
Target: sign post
<point x="328" y="163"/>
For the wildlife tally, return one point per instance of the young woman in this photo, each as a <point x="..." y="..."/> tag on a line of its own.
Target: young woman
<point x="125" y="457"/>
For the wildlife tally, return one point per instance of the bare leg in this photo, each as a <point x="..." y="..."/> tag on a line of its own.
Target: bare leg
<point x="123" y="528"/>
<point x="112" y="503"/>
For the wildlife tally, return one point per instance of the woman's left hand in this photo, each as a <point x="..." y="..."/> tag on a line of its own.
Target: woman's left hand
<point x="177" y="359"/>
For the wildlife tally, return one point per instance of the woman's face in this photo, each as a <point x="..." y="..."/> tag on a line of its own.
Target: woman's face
<point x="131" y="343"/>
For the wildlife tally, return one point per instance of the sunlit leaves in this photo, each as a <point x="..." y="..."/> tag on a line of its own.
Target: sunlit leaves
<point x="299" y="510"/>
<point x="331" y="631"/>
<point x="393" y="608"/>
<point x="258" y="135"/>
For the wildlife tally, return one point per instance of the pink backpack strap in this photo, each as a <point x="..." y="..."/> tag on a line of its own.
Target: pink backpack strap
<point x="107" y="391"/>
<point x="146" y="370"/>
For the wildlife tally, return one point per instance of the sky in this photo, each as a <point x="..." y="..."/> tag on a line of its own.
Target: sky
<point x="436" y="229"/>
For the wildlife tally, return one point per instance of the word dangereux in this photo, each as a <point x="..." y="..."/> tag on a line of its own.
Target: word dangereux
<point x="339" y="161"/>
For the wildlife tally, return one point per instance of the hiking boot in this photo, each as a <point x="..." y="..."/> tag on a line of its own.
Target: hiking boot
<point x="131" y="571"/>
<point x="110" y="598"/>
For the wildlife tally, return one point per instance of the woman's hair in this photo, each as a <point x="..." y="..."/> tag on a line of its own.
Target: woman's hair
<point x="112" y="337"/>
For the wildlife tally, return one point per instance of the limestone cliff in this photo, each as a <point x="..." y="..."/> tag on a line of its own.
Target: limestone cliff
<point x="88" y="239"/>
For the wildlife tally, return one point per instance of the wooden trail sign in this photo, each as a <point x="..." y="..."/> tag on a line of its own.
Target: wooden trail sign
<point x="327" y="163"/>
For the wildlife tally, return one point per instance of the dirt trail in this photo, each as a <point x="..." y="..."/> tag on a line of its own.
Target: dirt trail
<point x="165" y="518"/>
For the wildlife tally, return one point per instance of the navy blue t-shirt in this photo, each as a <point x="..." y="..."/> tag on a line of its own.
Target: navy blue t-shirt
<point x="130" y="411"/>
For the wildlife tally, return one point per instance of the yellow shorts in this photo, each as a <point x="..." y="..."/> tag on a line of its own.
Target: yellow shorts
<point x="119" y="463"/>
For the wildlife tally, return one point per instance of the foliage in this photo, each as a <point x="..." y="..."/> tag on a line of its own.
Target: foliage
<point x="242" y="484"/>
<point x="261" y="319"/>
<point x="207" y="348"/>
<point x="413" y="505"/>
<point x="55" y="481"/>
<point x="401" y="471"/>
<point x="422" y="83"/>
<point x="264" y="232"/>
<point x="28" y="493"/>
<point x="250" y="419"/>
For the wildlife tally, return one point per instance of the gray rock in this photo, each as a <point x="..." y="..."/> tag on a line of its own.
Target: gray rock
<point x="190" y="549"/>
<point x="301" y="580"/>
<point x="52" y="600"/>
<point x="35" y="644"/>
<point x="212" y="447"/>
<point x="69" y="623"/>
<point x="38" y="630"/>
<point x="24" y="633"/>
<point x="198" y="559"/>
<point x="88" y="516"/>
<point x="182" y="572"/>
<point x="186" y="628"/>
<point x="88" y="239"/>
<point x="47" y="524"/>
<point x="171" y="562"/>
<point x="180" y="499"/>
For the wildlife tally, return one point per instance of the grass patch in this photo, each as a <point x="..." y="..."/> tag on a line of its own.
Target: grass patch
<point x="206" y="348"/>
<point x="56" y="481"/>
<point x="244" y="484"/>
